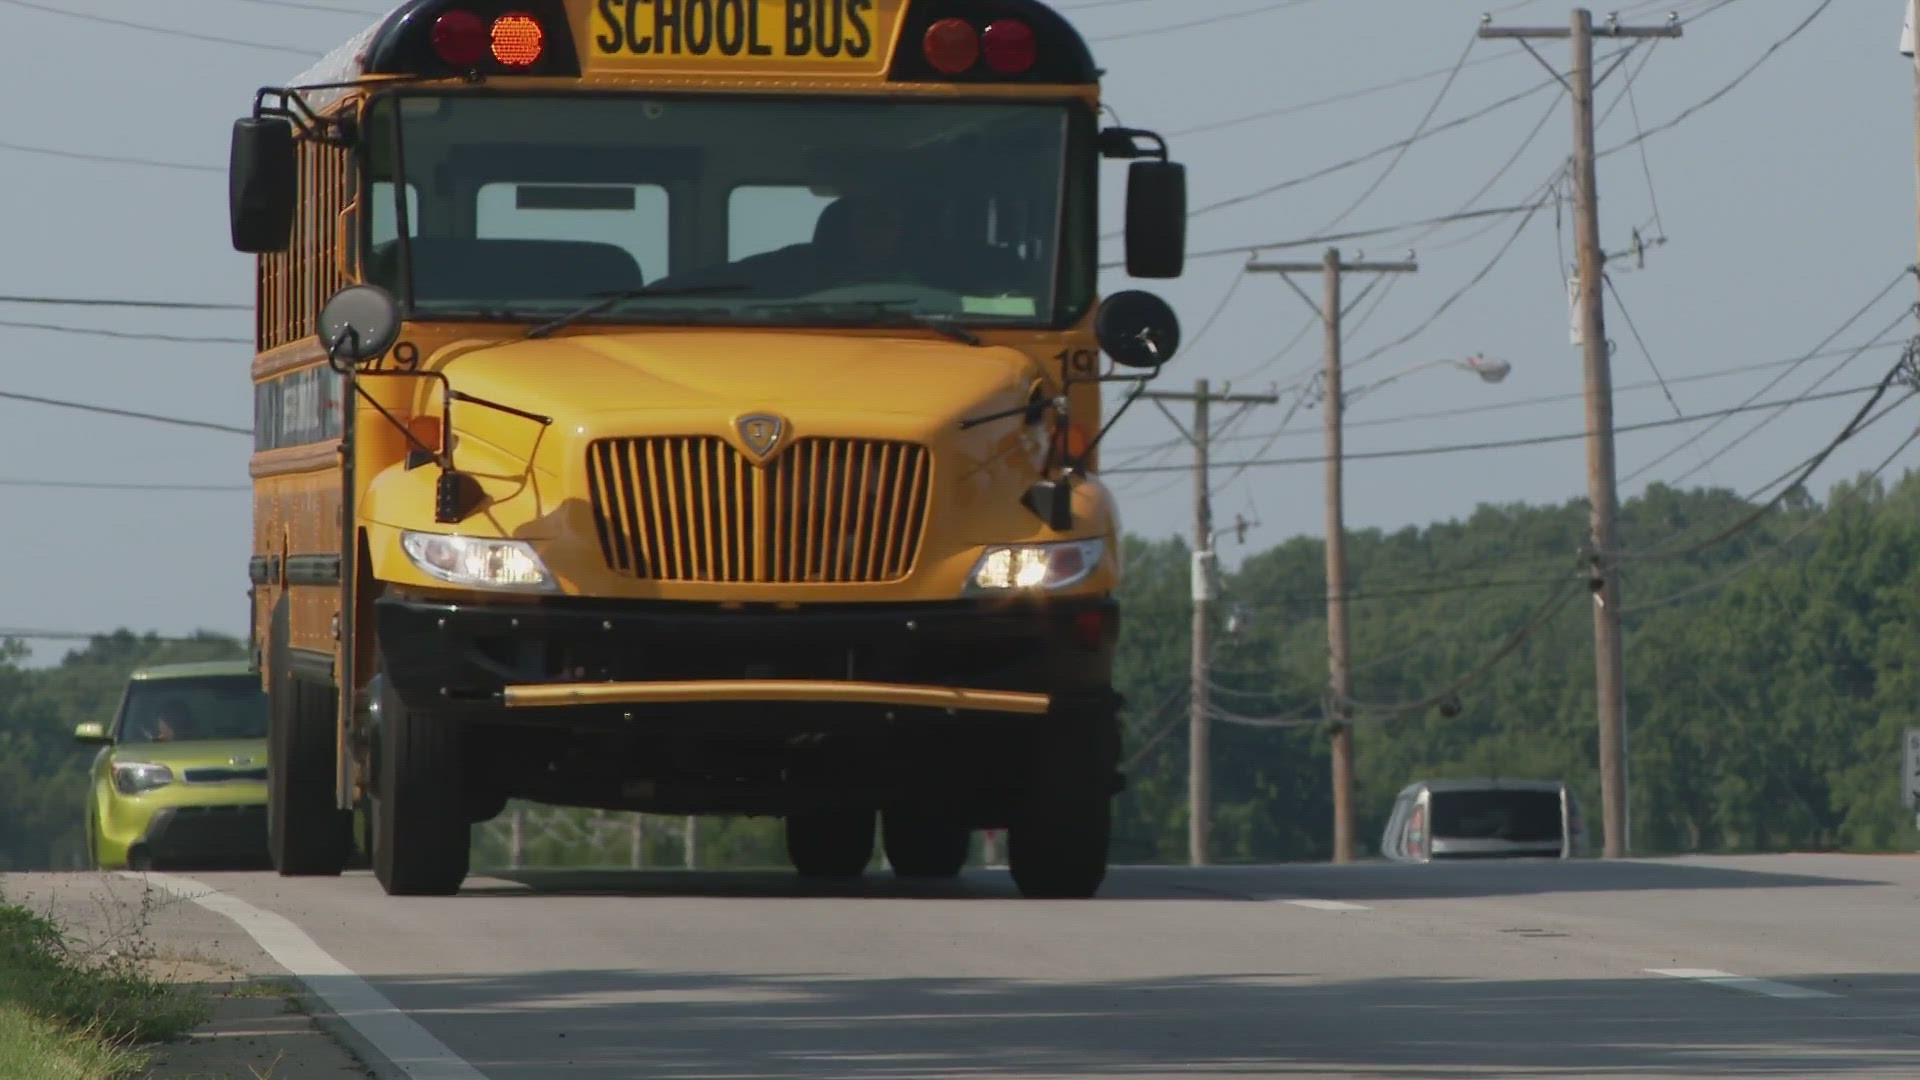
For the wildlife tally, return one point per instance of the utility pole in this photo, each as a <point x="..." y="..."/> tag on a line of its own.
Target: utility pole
<point x="1609" y="669"/>
<point x="1339" y="639"/>
<point x="1200" y="735"/>
<point x="1909" y="48"/>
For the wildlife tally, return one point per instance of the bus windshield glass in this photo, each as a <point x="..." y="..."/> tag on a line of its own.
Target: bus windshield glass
<point x="705" y="211"/>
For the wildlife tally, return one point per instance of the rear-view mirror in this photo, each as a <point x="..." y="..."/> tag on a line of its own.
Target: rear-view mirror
<point x="1156" y="219"/>
<point x="261" y="184"/>
<point x="359" y="323"/>
<point x="1137" y="329"/>
<point x="91" y="734"/>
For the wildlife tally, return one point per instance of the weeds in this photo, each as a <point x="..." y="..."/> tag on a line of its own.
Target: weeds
<point x="69" y="1009"/>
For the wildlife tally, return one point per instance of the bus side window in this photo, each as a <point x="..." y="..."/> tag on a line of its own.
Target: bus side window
<point x="630" y="216"/>
<point x="762" y="218"/>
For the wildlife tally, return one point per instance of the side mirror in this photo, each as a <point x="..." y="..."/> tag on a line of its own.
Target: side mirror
<point x="1156" y="219"/>
<point x="262" y="185"/>
<point x="91" y="734"/>
<point x="359" y="323"/>
<point x="1137" y="329"/>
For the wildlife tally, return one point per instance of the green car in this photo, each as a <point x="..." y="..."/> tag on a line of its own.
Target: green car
<point x="181" y="777"/>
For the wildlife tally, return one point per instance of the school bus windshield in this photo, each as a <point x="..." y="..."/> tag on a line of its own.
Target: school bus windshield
<point x="732" y="211"/>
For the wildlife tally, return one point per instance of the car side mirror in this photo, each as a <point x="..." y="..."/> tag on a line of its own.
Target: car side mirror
<point x="1137" y="329"/>
<point x="91" y="734"/>
<point x="262" y="185"/>
<point x="1156" y="219"/>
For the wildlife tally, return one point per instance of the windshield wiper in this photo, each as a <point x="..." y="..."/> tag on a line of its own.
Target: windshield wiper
<point x="609" y="300"/>
<point x="884" y="314"/>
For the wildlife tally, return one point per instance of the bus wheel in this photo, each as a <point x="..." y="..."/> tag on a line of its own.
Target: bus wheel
<point x="307" y="835"/>
<point x="1057" y="845"/>
<point x="421" y="838"/>
<point x="836" y="844"/>
<point x="919" y="846"/>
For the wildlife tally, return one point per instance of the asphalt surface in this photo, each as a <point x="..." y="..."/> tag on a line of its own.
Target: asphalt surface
<point x="1768" y="966"/>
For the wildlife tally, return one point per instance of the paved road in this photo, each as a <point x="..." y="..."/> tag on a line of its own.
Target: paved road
<point x="1780" y="966"/>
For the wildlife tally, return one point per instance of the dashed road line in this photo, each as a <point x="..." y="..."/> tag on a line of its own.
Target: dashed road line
<point x="1329" y="905"/>
<point x="390" y="1032"/>
<point x="1763" y="987"/>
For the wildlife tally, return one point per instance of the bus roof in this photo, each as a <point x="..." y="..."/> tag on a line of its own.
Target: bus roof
<point x="397" y="44"/>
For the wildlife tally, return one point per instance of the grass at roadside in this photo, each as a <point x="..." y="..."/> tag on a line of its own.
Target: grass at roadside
<point x="81" y="1012"/>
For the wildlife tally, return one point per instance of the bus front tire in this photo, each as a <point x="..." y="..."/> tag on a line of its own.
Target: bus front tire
<point x="422" y="840"/>
<point x="1057" y="846"/>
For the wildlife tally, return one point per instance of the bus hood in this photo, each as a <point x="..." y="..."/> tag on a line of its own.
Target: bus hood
<point x="796" y="375"/>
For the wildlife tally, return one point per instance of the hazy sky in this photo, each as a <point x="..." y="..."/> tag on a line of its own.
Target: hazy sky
<point x="1787" y="204"/>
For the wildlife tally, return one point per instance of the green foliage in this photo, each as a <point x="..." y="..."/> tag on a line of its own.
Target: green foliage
<point x="72" y="1011"/>
<point x="1769" y="676"/>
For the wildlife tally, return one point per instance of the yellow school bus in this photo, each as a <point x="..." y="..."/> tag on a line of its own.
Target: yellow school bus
<point x="693" y="406"/>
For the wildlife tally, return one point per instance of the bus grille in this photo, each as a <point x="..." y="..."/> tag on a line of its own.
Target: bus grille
<point x="831" y="511"/>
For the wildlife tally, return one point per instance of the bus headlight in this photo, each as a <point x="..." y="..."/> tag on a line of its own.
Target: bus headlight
<point x="136" y="777"/>
<point x="477" y="563"/>
<point x="1036" y="567"/>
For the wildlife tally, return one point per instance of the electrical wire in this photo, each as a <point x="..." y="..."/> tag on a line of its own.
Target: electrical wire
<point x="130" y="414"/>
<point x="124" y="335"/>
<point x="89" y="301"/>
<point x="168" y="31"/>
<point x="1210" y="20"/>
<point x="1419" y="130"/>
<point x="1884" y="292"/>
<point x="1505" y="444"/>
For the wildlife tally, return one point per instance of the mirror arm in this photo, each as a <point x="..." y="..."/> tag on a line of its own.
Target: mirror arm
<point x="1140" y="387"/>
<point x="293" y="107"/>
<point x="1123" y="143"/>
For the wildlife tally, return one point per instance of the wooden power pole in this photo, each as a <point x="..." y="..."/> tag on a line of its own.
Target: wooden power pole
<point x="1200" y="736"/>
<point x="1609" y="669"/>
<point x="1339" y="670"/>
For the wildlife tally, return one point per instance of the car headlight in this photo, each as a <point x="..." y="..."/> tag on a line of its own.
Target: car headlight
<point x="1036" y="567"/>
<point x="134" y="777"/>
<point x="477" y="562"/>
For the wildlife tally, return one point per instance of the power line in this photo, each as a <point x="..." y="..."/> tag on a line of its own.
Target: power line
<point x="1545" y="399"/>
<point x="157" y="418"/>
<point x="1506" y="444"/>
<point x="168" y="31"/>
<point x="1884" y="292"/>
<point x="1276" y="5"/>
<point x="124" y="335"/>
<point x="1769" y="419"/>
<point x="1854" y="427"/>
<point x="107" y="159"/>
<point x="87" y="485"/>
<point x="89" y="301"/>
<point x="1725" y="90"/>
<point x="1351" y="234"/>
<point x="1419" y="129"/>
<point x="303" y="5"/>
<point x="1353" y="162"/>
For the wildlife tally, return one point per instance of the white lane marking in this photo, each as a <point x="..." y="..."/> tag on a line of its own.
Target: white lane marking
<point x="391" y="1032"/>
<point x="1328" y="905"/>
<point x="1741" y="982"/>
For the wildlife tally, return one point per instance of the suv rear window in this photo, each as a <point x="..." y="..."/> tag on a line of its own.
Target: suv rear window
<point x="1521" y="816"/>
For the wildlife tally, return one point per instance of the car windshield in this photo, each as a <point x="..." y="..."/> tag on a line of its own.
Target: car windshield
<point x="181" y="710"/>
<point x="745" y="211"/>
<point x="1519" y="816"/>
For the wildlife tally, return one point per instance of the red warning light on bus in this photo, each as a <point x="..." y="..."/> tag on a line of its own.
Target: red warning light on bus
<point x="518" y="39"/>
<point x="460" y="38"/>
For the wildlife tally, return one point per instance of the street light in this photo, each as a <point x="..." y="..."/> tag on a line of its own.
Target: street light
<point x="1490" y="371"/>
